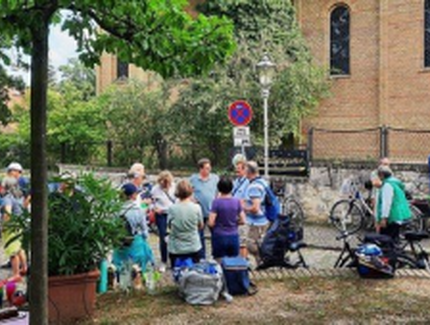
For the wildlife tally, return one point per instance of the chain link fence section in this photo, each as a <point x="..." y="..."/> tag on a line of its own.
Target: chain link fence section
<point x="351" y="145"/>
<point x="408" y="146"/>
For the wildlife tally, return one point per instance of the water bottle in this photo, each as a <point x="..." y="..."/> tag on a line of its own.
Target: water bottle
<point x="125" y="275"/>
<point x="150" y="279"/>
<point x="103" y="281"/>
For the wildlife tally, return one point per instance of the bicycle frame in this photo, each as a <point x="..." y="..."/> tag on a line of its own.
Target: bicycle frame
<point x="347" y="254"/>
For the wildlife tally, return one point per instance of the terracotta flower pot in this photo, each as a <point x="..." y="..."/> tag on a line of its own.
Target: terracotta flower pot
<point x="72" y="297"/>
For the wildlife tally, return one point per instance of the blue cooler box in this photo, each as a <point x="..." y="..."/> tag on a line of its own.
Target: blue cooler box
<point x="236" y="275"/>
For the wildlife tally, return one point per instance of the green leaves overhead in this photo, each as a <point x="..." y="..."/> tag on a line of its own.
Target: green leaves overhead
<point x="158" y="35"/>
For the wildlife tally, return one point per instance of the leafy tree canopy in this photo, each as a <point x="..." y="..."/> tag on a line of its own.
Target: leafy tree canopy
<point x="155" y="34"/>
<point x="268" y="26"/>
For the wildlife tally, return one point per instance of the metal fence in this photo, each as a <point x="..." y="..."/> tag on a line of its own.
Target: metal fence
<point x="401" y="145"/>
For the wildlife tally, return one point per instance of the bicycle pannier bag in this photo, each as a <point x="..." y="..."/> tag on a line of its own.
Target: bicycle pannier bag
<point x="372" y="263"/>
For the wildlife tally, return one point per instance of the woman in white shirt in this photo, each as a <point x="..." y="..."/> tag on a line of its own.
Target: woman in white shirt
<point x="163" y="196"/>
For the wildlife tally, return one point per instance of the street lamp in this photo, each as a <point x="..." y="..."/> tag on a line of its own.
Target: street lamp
<point x="266" y="72"/>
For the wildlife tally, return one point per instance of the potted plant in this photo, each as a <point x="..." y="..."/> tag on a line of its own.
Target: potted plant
<point x="83" y="228"/>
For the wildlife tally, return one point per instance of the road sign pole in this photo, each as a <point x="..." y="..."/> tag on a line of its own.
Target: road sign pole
<point x="265" y="94"/>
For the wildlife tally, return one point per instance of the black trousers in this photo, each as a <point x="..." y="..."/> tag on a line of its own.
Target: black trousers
<point x="392" y="230"/>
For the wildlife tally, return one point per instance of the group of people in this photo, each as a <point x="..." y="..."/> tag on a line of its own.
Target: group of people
<point x="14" y="197"/>
<point x="232" y="210"/>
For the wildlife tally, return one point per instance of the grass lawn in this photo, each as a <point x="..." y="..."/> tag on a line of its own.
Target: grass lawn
<point x="290" y="301"/>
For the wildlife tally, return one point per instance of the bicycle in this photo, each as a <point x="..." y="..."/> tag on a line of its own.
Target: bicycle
<point x="414" y="258"/>
<point x="355" y="213"/>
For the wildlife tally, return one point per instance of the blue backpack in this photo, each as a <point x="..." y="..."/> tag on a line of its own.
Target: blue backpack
<point x="271" y="203"/>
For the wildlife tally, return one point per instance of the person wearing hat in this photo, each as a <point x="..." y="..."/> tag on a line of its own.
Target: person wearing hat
<point x="15" y="170"/>
<point x="392" y="207"/>
<point x="136" y="176"/>
<point x="137" y="248"/>
<point x="12" y="205"/>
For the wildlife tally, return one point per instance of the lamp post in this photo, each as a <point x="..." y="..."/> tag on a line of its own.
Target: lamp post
<point x="266" y="72"/>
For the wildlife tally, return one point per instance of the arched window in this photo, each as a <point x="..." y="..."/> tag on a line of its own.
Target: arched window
<point x="121" y="69"/>
<point x="427" y="34"/>
<point x="339" y="41"/>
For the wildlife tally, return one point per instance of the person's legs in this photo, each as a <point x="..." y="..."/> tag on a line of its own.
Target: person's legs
<point x="243" y="231"/>
<point x="392" y="230"/>
<point x="161" y="221"/>
<point x="202" y="252"/>
<point x="22" y="262"/>
<point x="232" y="243"/>
<point x="255" y="235"/>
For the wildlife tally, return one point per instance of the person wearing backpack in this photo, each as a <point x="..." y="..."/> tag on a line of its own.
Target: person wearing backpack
<point x="135" y="245"/>
<point x="256" y="220"/>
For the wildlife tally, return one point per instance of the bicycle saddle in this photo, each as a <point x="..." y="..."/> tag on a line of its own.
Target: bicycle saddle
<point x="297" y="245"/>
<point x="415" y="236"/>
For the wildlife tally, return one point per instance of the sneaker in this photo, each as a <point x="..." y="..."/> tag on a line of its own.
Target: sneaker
<point x="162" y="268"/>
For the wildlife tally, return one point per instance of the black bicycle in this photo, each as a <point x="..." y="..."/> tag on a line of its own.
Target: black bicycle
<point x="409" y="253"/>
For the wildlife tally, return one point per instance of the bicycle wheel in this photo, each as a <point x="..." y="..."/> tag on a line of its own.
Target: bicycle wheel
<point x="293" y="209"/>
<point x="405" y="262"/>
<point x="416" y="223"/>
<point x="347" y="216"/>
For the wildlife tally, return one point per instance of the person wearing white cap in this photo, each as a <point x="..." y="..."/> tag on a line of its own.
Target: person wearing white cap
<point x="14" y="170"/>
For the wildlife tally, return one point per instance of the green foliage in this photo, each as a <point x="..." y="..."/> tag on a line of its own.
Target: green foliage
<point x="82" y="228"/>
<point x="76" y="76"/>
<point x="7" y="82"/>
<point x="78" y="124"/>
<point x="268" y="26"/>
<point x="137" y="120"/>
<point x="158" y="35"/>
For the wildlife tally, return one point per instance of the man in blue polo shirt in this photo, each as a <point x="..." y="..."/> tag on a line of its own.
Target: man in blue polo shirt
<point x="253" y="206"/>
<point x="205" y="191"/>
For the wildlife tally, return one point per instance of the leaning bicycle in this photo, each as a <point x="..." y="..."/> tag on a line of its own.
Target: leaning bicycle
<point x="356" y="213"/>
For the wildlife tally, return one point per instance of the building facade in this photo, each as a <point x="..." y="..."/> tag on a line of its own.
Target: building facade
<point x="384" y="41"/>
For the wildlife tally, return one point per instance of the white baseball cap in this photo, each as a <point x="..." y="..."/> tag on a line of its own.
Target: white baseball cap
<point x="14" y="166"/>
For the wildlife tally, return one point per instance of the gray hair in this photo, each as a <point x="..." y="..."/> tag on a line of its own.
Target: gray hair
<point x="384" y="172"/>
<point x="252" y="167"/>
<point x="10" y="185"/>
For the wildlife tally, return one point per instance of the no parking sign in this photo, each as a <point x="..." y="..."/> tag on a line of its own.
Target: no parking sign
<point x="240" y="113"/>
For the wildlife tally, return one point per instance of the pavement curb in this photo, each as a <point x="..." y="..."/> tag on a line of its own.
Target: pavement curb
<point x="279" y="273"/>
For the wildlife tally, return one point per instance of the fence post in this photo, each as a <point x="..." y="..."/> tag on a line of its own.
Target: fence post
<point x="310" y="146"/>
<point x="63" y="152"/>
<point x="109" y="153"/>
<point x="383" y="150"/>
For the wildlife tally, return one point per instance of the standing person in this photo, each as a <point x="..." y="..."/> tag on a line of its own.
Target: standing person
<point x="163" y="196"/>
<point x="225" y="217"/>
<point x="205" y="191"/>
<point x="136" y="176"/>
<point x="239" y="188"/>
<point x="253" y="206"/>
<point x="12" y="205"/>
<point x="138" y="249"/>
<point x="392" y="207"/>
<point x="184" y="219"/>
<point x="15" y="170"/>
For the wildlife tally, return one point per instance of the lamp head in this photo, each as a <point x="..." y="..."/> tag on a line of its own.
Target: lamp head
<point x="266" y="71"/>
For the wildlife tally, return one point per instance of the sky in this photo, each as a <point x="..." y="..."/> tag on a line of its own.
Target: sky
<point x="61" y="48"/>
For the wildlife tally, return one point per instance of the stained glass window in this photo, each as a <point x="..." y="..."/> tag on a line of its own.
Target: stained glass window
<point x="427" y="34"/>
<point x="339" y="41"/>
<point x="121" y="69"/>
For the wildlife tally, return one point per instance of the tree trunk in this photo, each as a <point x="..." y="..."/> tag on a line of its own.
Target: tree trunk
<point x="39" y="209"/>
